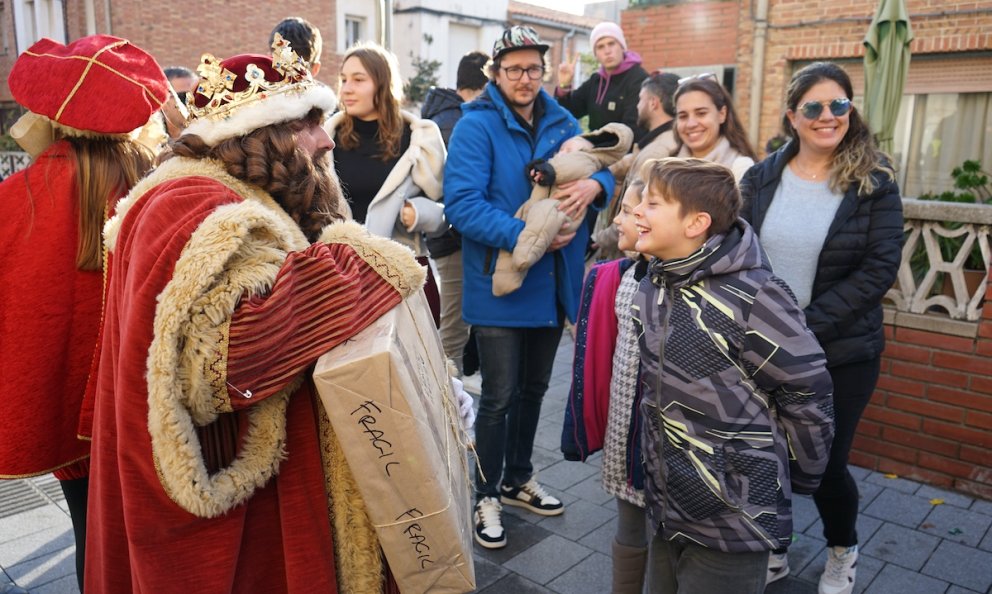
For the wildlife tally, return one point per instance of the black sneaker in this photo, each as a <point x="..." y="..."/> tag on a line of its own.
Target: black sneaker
<point x="532" y="497"/>
<point x="488" y="524"/>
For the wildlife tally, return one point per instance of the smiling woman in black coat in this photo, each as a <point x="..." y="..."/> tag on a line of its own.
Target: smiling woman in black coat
<point x="829" y="215"/>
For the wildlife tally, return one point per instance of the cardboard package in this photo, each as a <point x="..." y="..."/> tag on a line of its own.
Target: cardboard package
<point x="392" y="406"/>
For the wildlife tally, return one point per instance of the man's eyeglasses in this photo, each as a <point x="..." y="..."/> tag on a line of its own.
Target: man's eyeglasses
<point x="516" y="72"/>
<point x="702" y="76"/>
<point x="811" y="110"/>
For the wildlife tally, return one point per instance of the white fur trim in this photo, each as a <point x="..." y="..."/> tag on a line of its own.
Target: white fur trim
<point x="273" y="109"/>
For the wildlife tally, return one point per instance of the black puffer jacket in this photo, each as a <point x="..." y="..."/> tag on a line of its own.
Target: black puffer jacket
<point x="444" y="108"/>
<point x="857" y="265"/>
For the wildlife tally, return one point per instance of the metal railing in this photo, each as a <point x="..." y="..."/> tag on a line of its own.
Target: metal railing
<point x="11" y="162"/>
<point x="943" y="241"/>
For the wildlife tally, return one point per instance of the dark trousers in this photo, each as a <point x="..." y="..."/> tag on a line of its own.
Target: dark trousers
<point x="75" y="491"/>
<point x="687" y="568"/>
<point x="837" y="497"/>
<point x="516" y="368"/>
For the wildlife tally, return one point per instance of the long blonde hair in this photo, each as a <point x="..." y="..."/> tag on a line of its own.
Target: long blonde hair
<point x="857" y="156"/>
<point x="383" y="68"/>
<point x="106" y="168"/>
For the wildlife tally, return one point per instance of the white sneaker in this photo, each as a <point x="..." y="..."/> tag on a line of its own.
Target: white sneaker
<point x="489" y="523"/>
<point x="838" y="575"/>
<point x="778" y="567"/>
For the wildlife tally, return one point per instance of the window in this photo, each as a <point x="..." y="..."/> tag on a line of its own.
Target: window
<point x="354" y="30"/>
<point x="34" y="19"/>
<point x="937" y="132"/>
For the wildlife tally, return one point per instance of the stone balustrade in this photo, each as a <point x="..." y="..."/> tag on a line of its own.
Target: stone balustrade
<point x="928" y="282"/>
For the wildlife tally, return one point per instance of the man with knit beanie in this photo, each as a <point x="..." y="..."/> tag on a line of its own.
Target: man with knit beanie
<point x="609" y="95"/>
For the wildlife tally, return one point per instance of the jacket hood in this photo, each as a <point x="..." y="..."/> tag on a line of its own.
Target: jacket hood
<point x="630" y="59"/>
<point x="731" y="252"/>
<point x="439" y="100"/>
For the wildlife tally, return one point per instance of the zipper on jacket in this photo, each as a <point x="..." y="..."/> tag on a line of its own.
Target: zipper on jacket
<point x="487" y="262"/>
<point x="663" y="482"/>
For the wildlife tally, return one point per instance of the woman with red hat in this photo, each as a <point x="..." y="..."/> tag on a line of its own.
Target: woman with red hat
<point x="83" y="101"/>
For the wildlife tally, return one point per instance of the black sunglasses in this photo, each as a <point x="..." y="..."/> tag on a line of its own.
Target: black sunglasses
<point x="811" y="110"/>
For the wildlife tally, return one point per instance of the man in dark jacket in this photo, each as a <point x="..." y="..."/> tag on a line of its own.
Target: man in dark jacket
<point x="611" y="94"/>
<point x="444" y="108"/>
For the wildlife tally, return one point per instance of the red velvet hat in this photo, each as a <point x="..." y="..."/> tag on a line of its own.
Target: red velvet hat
<point x="249" y="91"/>
<point x="100" y="84"/>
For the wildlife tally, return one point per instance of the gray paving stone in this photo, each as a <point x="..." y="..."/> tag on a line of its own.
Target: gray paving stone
<point x="65" y="585"/>
<point x="520" y="536"/>
<point x="859" y="473"/>
<point x="866" y="526"/>
<point x="902" y="546"/>
<point x="579" y="519"/>
<point x="36" y="544"/>
<point x="487" y="573"/>
<point x="601" y="539"/>
<point x="956" y="524"/>
<point x="986" y="544"/>
<point x="982" y="506"/>
<point x="959" y="590"/>
<point x="515" y="584"/>
<point x="899" y="484"/>
<point x="803" y="552"/>
<point x="961" y="565"/>
<point x="566" y="474"/>
<point x="592" y="575"/>
<point x="897" y="580"/>
<point x="32" y="521"/>
<point x="898" y="507"/>
<point x="542" y="458"/>
<point x="867" y="492"/>
<point x="41" y="570"/>
<point x="591" y="490"/>
<point x="548" y="435"/>
<point x="553" y="410"/>
<point x="548" y="559"/>
<point x="804" y="513"/>
<point x="950" y="497"/>
<point x="596" y="459"/>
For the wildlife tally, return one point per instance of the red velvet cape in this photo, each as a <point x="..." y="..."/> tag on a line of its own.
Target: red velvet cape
<point x="49" y="317"/>
<point x="138" y="539"/>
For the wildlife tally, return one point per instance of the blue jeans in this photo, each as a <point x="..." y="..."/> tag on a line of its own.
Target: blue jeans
<point x="516" y="367"/>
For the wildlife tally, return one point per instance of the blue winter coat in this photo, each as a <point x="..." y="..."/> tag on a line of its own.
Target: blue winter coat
<point x="484" y="184"/>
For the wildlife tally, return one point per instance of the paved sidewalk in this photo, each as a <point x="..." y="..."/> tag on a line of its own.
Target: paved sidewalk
<point x="914" y="539"/>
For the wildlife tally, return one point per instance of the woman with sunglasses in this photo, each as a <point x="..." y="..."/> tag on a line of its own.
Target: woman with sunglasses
<point x="390" y="162"/>
<point x="829" y="215"/>
<point x="706" y="125"/>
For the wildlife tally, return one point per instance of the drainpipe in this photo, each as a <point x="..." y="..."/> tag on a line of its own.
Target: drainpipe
<point x="90" y="17"/>
<point x="758" y="68"/>
<point x="386" y="24"/>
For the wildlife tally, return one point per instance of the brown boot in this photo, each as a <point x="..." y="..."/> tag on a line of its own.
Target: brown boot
<point x="628" y="568"/>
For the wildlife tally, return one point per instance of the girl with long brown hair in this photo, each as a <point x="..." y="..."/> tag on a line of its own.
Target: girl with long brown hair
<point x="390" y="162"/>
<point x="707" y="127"/>
<point x="52" y="251"/>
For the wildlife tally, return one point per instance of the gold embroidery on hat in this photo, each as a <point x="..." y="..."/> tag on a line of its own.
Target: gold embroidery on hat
<point x="92" y="61"/>
<point x="217" y="82"/>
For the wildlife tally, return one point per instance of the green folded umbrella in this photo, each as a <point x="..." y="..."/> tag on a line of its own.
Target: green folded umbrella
<point x="886" y="64"/>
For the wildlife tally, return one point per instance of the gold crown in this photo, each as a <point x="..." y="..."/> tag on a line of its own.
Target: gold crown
<point x="217" y="82"/>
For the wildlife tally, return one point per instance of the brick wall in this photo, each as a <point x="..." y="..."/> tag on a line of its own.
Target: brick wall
<point x="820" y="30"/>
<point x="686" y="34"/>
<point x="931" y="416"/>
<point x="178" y="36"/>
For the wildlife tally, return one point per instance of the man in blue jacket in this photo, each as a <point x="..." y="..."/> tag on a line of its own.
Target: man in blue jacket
<point x="511" y="124"/>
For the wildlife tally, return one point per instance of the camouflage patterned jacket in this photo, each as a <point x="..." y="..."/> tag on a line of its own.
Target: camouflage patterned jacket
<point x="737" y="406"/>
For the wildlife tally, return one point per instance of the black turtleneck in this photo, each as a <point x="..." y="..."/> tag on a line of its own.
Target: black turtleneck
<point x="361" y="170"/>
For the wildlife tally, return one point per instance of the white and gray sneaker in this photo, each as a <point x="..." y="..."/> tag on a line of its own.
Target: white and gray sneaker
<point x="532" y="497"/>
<point x="838" y="575"/>
<point x="778" y="567"/>
<point x="489" y="524"/>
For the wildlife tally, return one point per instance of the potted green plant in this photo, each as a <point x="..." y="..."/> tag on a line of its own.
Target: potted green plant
<point x="972" y="186"/>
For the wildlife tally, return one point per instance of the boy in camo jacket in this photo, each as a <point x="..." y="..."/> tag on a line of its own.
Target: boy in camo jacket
<point x="737" y="403"/>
